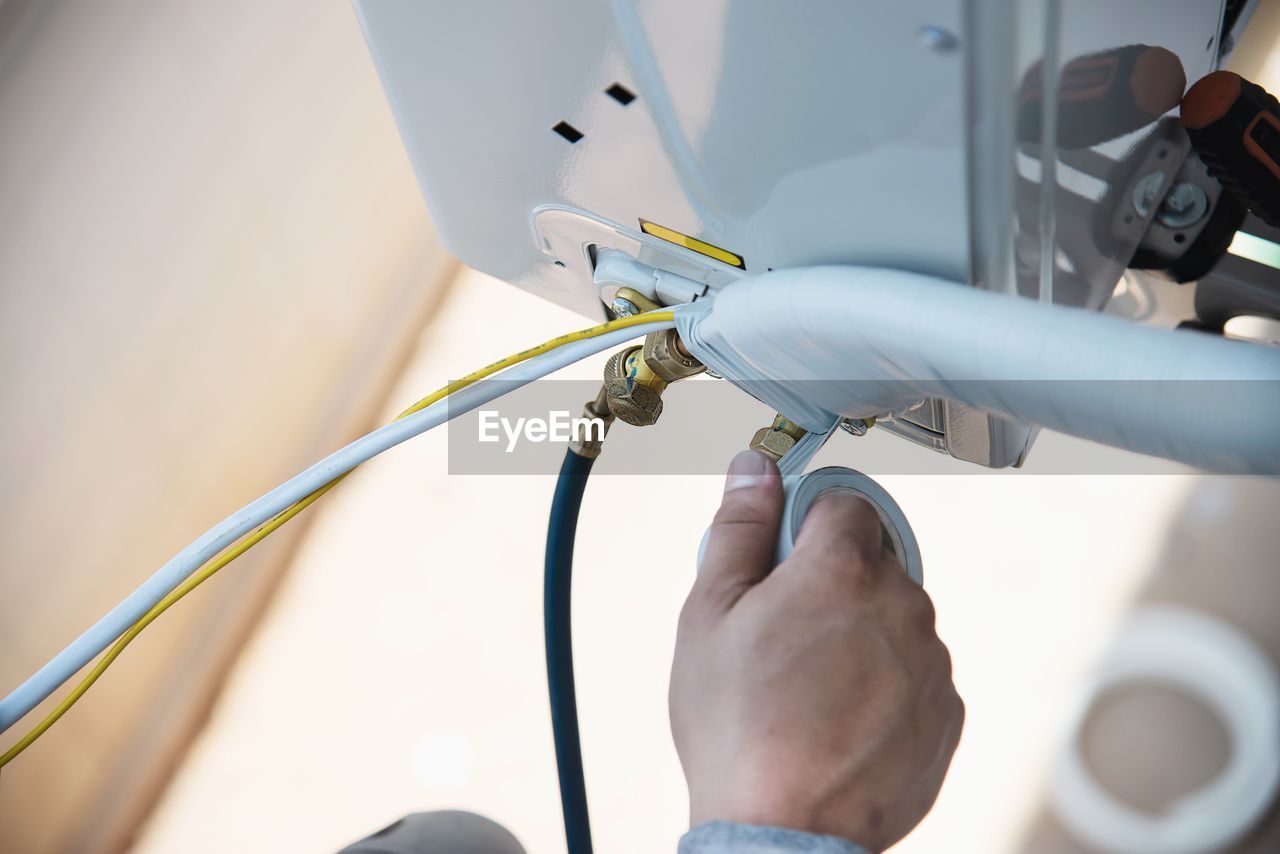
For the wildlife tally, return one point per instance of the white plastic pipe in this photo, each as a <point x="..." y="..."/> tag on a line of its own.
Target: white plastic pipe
<point x="821" y="342"/>
<point x="1212" y="660"/>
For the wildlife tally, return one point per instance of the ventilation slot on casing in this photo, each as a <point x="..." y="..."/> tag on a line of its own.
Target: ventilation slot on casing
<point x="620" y="93"/>
<point x="568" y="131"/>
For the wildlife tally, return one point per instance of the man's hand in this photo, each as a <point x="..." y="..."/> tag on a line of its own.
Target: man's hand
<point x="815" y="696"/>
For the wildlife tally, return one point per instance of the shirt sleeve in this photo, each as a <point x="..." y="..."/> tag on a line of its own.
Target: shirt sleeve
<point x="723" y="837"/>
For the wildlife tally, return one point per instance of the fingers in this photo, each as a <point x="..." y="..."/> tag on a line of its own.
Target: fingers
<point x="744" y="535"/>
<point x="842" y="527"/>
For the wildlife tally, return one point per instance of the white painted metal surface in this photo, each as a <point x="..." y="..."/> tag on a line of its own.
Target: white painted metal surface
<point x="791" y="135"/>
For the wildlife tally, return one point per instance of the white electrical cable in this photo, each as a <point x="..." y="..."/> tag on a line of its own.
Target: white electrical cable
<point x="104" y="632"/>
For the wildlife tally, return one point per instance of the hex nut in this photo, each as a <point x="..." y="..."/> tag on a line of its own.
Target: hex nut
<point x="773" y="442"/>
<point x="632" y="402"/>
<point x="662" y="354"/>
<point x="624" y="307"/>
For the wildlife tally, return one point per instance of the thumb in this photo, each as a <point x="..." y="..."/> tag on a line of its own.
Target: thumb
<point x="744" y="533"/>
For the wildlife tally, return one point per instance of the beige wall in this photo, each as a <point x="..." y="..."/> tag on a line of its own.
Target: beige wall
<point x="212" y="256"/>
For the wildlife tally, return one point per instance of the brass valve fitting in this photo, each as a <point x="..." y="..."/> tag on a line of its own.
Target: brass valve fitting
<point x="664" y="353"/>
<point x="778" y="438"/>
<point x="635" y="378"/>
<point x="633" y="391"/>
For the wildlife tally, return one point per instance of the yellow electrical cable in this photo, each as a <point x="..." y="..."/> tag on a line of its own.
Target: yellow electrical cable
<point x="265" y="529"/>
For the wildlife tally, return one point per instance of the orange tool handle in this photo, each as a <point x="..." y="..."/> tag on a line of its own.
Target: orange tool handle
<point x="1234" y="126"/>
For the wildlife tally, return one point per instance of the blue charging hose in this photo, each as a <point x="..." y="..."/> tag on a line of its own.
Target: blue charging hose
<point x="557" y="584"/>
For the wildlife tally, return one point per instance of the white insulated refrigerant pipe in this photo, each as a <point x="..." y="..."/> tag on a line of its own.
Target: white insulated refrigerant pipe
<point x="819" y="343"/>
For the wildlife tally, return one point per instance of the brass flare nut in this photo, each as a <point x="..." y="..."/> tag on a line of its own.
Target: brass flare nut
<point x="635" y="378"/>
<point x="778" y="438"/>
<point x="633" y="391"/>
<point x="665" y="355"/>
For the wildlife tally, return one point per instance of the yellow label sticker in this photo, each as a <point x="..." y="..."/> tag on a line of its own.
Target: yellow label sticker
<point x="724" y="256"/>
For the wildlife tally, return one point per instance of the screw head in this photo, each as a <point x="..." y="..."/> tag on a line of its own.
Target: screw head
<point x="1146" y="193"/>
<point x="854" y="426"/>
<point x="624" y="307"/>
<point x="1181" y="197"/>
<point x="1184" y="205"/>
